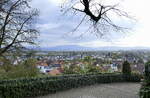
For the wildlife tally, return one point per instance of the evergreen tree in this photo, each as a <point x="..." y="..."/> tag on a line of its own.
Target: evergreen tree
<point x="126" y="68"/>
<point x="147" y="71"/>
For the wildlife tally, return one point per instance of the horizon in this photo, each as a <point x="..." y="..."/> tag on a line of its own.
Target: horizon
<point x="83" y="48"/>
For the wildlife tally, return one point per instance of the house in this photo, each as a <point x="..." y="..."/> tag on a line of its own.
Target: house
<point x="55" y="65"/>
<point x="114" y="67"/>
<point x="106" y="68"/>
<point x="138" y="67"/>
<point x="49" y="67"/>
<point x="54" y="72"/>
<point x="44" y="69"/>
<point x="42" y="63"/>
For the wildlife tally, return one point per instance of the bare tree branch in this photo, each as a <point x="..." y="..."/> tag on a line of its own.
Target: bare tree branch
<point x="100" y="15"/>
<point x="16" y="25"/>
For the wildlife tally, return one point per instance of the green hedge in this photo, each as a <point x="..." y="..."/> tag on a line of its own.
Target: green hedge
<point x="145" y="89"/>
<point x="145" y="92"/>
<point x="23" y="88"/>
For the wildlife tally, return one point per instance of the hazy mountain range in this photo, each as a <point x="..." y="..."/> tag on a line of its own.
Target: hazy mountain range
<point x="82" y="48"/>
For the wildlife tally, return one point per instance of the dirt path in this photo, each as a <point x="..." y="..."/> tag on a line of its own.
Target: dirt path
<point x="114" y="90"/>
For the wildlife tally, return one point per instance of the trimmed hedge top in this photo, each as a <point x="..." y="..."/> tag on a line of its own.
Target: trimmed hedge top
<point x="31" y="87"/>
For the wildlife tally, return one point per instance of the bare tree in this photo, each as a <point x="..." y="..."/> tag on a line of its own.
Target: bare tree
<point x="17" y="28"/>
<point x="99" y="14"/>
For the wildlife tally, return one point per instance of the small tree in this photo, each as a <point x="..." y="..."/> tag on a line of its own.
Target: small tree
<point x="145" y="88"/>
<point x="147" y="71"/>
<point x="126" y="68"/>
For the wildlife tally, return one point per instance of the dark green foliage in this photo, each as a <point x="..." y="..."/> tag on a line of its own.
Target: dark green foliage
<point x="26" y="68"/>
<point x="31" y="87"/>
<point x="145" y="89"/>
<point x="147" y="71"/>
<point x="126" y="68"/>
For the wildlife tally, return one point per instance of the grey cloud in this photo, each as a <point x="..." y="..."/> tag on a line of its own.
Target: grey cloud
<point x="55" y="27"/>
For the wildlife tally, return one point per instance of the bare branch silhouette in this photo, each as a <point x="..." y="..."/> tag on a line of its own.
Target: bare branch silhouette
<point x="99" y="15"/>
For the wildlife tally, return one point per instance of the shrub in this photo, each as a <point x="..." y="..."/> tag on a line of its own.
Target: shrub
<point x="126" y="68"/>
<point x="31" y="87"/>
<point x="21" y="71"/>
<point x="147" y="71"/>
<point x="24" y="69"/>
<point x="145" y="89"/>
<point x="145" y="92"/>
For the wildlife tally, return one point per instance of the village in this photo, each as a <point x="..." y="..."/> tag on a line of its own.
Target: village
<point x="108" y="62"/>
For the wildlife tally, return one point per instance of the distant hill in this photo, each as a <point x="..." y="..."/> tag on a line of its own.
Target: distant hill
<point x="67" y="48"/>
<point x="82" y="48"/>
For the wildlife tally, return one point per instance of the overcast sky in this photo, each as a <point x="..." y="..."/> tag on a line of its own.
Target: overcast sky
<point x="55" y="27"/>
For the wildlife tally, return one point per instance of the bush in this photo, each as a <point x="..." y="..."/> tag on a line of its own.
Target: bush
<point x="145" y="89"/>
<point x="21" y="71"/>
<point x="145" y="92"/>
<point x="126" y="68"/>
<point x="24" y="69"/>
<point x="147" y="71"/>
<point x="31" y="87"/>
